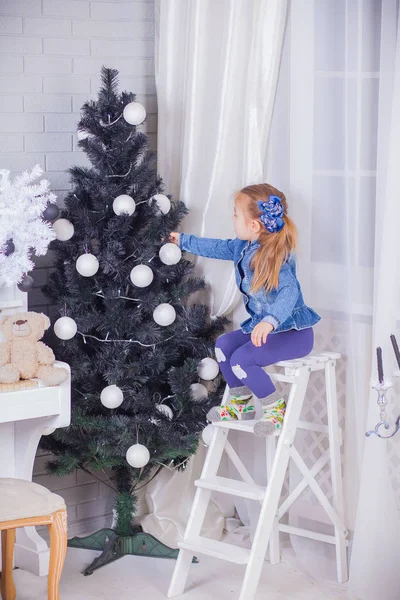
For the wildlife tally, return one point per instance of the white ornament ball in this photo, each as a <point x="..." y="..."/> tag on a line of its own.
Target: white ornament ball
<point x="170" y="254"/>
<point x="141" y="276"/>
<point x="124" y="204"/>
<point x="208" y="369"/>
<point x="111" y="396"/>
<point x="81" y="134"/>
<point x="64" y="229"/>
<point x="49" y="430"/>
<point x="65" y="328"/>
<point x="165" y="410"/>
<point x="163" y="203"/>
<point x="134" y="113"/>
<point x="164" y="314"/>
<point x="137" y="456"/>
<point x="87" y="265"/>
<point x="207" y="434"/>
<point x="199" y="392"/>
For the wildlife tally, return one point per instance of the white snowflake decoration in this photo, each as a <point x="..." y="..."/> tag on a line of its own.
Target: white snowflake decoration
<point x="22" y="203"/>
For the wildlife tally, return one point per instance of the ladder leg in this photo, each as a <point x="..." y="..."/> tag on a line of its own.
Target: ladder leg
<point x="277" y="477"/>
<point x="197" y="513"/>
<point x="274" y="546"/>
<point x="180" y="575"/>
<point x="336" y="467"/>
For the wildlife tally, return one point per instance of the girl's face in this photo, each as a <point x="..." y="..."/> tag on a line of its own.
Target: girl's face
<point x="246" y="228"/>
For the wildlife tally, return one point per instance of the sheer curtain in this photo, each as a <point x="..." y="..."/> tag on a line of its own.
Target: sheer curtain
<point x="217" y="66"/>
<point x="375" y="563"/>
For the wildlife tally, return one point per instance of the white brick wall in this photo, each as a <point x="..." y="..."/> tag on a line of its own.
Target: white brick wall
<point x="51" y="52"/>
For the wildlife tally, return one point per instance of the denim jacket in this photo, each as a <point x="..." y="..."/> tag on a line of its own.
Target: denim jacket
<point x="282" y="307"/>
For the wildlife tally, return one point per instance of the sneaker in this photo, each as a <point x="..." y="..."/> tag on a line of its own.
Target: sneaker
<point x="241" y="408"/>
<point x="219" y="413"/>
<point x="272" y="419"/>
<point x="238" y="408"/>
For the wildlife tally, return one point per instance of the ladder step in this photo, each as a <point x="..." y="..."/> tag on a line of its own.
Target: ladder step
<point x="332" y="355"/>
<point x="241" y="426"/>
<point x="311" y="359"/>
<point x="216" y="549"/>
<point x="232" y="486"/>
<point x="290" y="364"/>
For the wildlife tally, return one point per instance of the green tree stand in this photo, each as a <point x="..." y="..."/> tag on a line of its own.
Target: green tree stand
<point x="114" y="546"/>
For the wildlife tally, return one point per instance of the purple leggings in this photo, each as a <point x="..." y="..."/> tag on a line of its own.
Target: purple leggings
<point x="240" y="361"/>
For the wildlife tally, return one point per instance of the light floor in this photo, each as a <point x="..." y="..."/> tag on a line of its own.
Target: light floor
<point x="139" y="578"/>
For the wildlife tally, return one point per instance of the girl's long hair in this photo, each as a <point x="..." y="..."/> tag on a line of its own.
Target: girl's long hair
<point x="275" y="248"/>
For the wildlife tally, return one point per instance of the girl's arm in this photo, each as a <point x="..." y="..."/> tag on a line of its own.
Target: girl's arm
<point x="285" y="300"/>
<point x="208" y="247"/>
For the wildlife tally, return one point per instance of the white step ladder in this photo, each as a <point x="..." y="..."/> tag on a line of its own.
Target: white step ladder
<point x="296" y="373"/>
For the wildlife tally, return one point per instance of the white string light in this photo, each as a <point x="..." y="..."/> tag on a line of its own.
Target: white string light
<point x="130" y="256"/>
<point x="86" y="335"/>
<point x="176" y="466"/>
<point x="101" y="295"/>
<point x="127" y="173"/>
<point x="109" y="124"/>
<point x="160" y="400"/>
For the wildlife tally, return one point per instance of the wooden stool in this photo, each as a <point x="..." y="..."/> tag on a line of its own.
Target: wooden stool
<point x="25" y="504"/>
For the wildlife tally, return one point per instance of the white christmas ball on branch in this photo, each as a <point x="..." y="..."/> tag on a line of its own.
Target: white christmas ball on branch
<point x="170" y="254"/>
<point x="81" y="134"/>
<point x="134" y="113"/>
<point x="163" y="203"/>
<point x="87" y="265"/>
<point x="124" y="204"/>
<point x="164" y="314"/>
<point x="27" y="282"/>
<point x="49" y="430"/>
<point x="65" y="328"/>
<point x="64" y="229"/>
<point x="165" y="410"/>
<point x="208" y="369"/>
<point x="137" y="456"/>
<point x="141" y="276"/>
<point x="111" y="396"/>
<point x="207" y="434"/>
<point x="199" y="392"/>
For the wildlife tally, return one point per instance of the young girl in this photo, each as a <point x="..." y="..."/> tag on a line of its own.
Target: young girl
<point x="279" y="326"/>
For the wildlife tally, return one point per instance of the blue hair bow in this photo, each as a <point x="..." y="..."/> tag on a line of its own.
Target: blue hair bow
<point x="271" y="214"/>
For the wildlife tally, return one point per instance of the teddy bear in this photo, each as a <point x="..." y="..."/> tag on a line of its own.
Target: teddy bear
<point x="22" y="355"/>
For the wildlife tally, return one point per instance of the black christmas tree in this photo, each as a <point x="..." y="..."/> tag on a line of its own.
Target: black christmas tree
<point x="134" y="342"/>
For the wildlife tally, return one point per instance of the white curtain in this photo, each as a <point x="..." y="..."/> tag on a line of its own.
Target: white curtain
<point x="333" y="149"/>
<point x="217" y="67"/>
<point x="375" y="569"/>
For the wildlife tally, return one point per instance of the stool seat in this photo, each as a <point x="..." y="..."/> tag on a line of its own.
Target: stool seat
<point x="20" y="499"/>
<point x="27" y="504"/>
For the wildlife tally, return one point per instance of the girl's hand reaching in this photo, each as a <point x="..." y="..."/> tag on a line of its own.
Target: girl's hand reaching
<point x="174" y="237"/>
<point x="260" y="333"/>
